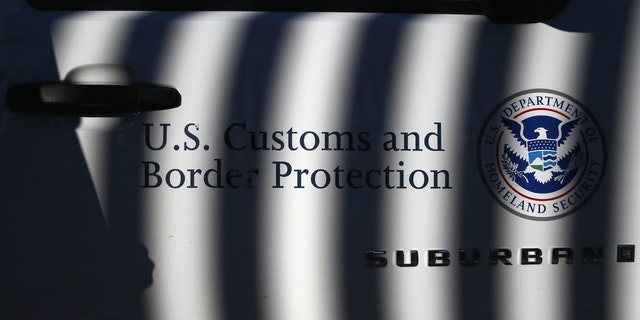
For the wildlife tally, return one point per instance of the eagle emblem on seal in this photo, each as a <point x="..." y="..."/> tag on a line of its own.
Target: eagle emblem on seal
<point x="549" y="146"/>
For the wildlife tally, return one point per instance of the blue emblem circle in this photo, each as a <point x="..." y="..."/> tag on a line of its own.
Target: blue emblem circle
<point x="541" y="154"/>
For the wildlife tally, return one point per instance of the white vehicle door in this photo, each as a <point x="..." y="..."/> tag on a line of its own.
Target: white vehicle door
<point x="247" y="164"/>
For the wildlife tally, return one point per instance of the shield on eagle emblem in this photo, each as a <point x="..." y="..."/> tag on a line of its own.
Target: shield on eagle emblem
<point x="542" y="154"/>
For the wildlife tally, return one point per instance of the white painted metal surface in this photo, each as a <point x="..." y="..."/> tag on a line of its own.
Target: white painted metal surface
<point x="246" y="213"/>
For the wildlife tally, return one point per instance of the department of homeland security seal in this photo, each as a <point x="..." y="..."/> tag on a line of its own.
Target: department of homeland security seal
<point x="541" y="154"/>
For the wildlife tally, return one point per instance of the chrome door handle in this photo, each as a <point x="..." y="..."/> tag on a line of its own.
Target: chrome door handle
<point x="90" y="99"/>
